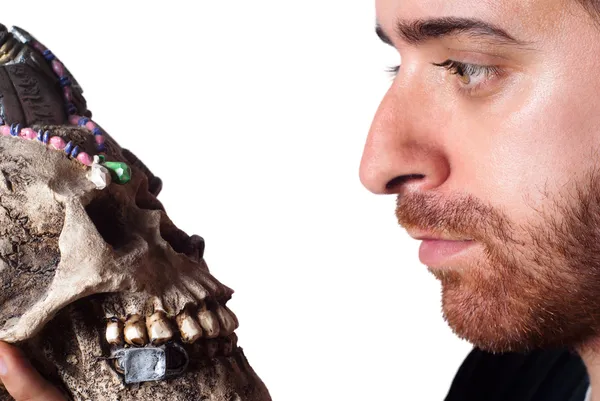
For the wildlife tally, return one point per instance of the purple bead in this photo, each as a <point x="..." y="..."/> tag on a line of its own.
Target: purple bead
<point x="75" y="151"/>
<point x="64" y="81"/>
<point x="68" y="93"/>
<point x="58" y="68"/>
<point x="15" y="129"/>
<point x="40" y="47"/>
<point x="69" y="147"/>
<point x="48" y="55"/>
<point x="46" y="138"/>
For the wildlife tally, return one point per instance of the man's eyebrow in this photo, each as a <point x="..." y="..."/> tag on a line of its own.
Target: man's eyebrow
<point x="421" y="30"/>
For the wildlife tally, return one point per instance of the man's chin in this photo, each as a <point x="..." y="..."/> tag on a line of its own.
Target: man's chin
<point x="499" y="307"/>
<point x="493" y="325"/>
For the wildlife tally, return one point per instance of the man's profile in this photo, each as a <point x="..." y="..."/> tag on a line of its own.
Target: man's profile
<point x="490" y="135"/>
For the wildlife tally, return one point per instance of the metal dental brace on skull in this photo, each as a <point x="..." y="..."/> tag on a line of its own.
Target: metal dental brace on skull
<point x="79" y="219"/>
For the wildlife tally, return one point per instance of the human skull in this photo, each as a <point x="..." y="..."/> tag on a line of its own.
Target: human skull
<point x="109" y="299"/>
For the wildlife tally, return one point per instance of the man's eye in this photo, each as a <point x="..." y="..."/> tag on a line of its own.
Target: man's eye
<point x="393" y="71"/>
<point x="470" y="75"/>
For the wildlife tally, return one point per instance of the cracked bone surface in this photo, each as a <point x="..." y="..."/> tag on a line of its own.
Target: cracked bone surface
<point x="92" y="273"/>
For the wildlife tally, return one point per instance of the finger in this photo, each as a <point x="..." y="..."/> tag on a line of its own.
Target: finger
<point x="21" y="380"/>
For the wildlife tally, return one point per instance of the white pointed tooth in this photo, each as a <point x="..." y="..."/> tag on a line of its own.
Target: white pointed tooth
<point x="135" y="331"/>
<point x="226" y="320"/>
<point x="114" y="329"/>
<point x="188" y="327"/>
<point x="209" y="323"/>
<point x="159" y="328"/>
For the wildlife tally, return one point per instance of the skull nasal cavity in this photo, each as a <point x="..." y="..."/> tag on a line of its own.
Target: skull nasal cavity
<point x="178" y="239"/>
<point x="107" y="216"/>
<point x="180" y="242"/>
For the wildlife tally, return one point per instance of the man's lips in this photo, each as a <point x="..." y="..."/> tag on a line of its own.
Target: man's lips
<point x="437" y="253"/>
<point x="437" y="249"/>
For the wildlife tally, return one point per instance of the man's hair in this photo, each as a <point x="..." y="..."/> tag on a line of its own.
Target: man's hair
<point x="592" y="6"/>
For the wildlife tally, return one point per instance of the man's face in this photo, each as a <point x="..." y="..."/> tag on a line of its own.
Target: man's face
<point x="499" y="143"/>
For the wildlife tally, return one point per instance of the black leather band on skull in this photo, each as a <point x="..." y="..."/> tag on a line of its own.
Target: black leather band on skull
<point x="31" y="92"/>
<point x="31" y="96"/>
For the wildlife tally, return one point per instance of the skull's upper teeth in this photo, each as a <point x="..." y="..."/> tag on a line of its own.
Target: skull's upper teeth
<point x="159" y="328"/>
<point x="237" y="323"/>
<point x="135" y="331"/>
<point x="190" y="329"/>
<point x="209" y="323"/>
<point x="113" y="332"/>
<point x="227" y="320"/>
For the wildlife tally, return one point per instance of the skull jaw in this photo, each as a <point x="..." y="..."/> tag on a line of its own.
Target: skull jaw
<point x="70" y="352"/>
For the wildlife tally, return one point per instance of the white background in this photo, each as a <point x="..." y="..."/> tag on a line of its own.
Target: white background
<point x="254" y="114"/>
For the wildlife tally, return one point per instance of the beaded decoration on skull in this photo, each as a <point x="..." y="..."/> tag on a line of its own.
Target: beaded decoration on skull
<point x="101" y="171"/>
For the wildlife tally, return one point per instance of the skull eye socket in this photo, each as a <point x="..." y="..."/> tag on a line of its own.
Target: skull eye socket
<point x="107" y="215"/>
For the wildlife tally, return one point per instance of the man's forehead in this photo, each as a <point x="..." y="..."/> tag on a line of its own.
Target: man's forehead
<point x="523" y="18"/>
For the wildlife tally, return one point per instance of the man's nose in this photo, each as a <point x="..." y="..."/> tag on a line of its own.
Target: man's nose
<point x="404" y="149"/>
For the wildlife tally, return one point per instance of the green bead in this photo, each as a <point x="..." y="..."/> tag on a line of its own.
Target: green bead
<point x="101" y="158"/>
<point x="120" y="172"/>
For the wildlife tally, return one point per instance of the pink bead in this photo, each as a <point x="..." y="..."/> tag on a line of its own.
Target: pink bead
<point x="90" y="125"/>
<point x="5" y="130"/>
<point x="57" y="142"/>
<point x="68" y="93"/>
<point x="99" y="139"/>
<point x="84" y="158"/>
<point x="39" y="46"/>
<point x="74" y="119"/>
<point x="28" y="133"/>
<point x="58" y="68"/>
